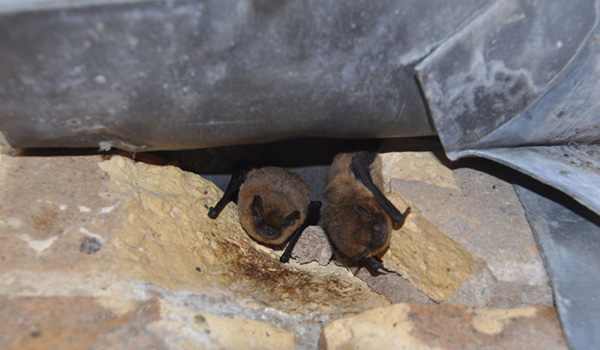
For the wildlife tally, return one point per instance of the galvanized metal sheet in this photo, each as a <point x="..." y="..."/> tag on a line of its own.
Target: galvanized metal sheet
<point x="522" y="73"/>
<point x="164" y="75"/>
<point x="569" y="238"/>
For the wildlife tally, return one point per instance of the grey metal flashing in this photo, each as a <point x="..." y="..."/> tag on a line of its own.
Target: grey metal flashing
<point x="569" y="238"/>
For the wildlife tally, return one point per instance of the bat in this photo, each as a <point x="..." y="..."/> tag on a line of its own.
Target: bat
<point x="358" y="217"/>
<point x="273" y="203"/>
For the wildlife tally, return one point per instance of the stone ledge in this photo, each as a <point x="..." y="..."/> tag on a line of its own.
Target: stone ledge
<point x="417" y="326"/>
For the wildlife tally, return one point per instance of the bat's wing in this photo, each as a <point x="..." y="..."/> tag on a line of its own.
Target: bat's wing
<point x="360" y="167"/>
<point x="237" y="179"/>
<point x="314" y="209"/>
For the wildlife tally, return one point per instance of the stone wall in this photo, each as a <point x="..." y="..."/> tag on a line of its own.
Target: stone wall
<point x="110" y="252"/>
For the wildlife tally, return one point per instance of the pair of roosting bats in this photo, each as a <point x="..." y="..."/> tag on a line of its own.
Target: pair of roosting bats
<point x="274" y="206"/>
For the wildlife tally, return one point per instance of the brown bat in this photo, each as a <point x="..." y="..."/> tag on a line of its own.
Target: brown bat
<point x="358" y="217"/>
<point x="273" y="203"/>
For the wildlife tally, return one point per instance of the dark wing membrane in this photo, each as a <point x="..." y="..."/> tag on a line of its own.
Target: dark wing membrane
<point x="360" y="167"/>
<point x="237" y="179"/>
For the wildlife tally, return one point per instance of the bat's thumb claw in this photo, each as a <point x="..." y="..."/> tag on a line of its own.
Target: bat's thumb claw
<point x="213" y="213"/>
<point x="398" y="224"/>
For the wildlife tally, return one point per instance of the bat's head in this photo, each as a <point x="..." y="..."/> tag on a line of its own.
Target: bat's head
<point x="374" y="225"/>
<point x="360" y="229"/>
<point x="274" y="218"/>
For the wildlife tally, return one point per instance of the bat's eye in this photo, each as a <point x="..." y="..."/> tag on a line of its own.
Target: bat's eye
<point x="291" y="219"/>
<point x="362" y="211"/>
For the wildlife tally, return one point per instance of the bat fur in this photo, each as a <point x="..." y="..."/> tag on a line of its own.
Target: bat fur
<point x="356" y="223"/>
<point x="272" y="204"/>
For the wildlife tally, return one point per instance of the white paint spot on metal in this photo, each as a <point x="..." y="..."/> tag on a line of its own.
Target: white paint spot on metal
<point x="62" y="207"/>
<point x="133" y="41"/>
<point x="100" y="79"/>
<point x="519" y="17"/>
<point x="105" y="146"/>
<point x="84" y="209"/>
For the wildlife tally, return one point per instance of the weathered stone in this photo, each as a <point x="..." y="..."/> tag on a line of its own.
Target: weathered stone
<point x="480" y="286"/>
<point x="422" y="167"/>
<point x="165" y="234"/>
<point x="99" y="323"/>
<point x="90" y="245"/>
<point x="417" y="326"/>
<point x="239" y="333"/>
<point x="482" y="213"/>
<point x="313" y="245"/>
<point x="180" y="326"/>
<point x="188" y="289"/>
<point x="76" y="323"/>
<point x="51" y="205"/>
<point x="428" y="258"/>
<point x="394" y="287"/>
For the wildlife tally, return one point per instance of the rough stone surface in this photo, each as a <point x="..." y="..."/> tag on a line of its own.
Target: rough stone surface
<point x="417" y="326"/>
<point x="428" y="258"/>
<point x="394" y="287"/>
<point x="110" y="253"/>
<point x="121" y="233"/>
<point x="313" y="245"/>
<point x="101" y="323"/>
<point x="78" y="322"/>
<point x="475" y="205"/>
<point x="166" y="234"/>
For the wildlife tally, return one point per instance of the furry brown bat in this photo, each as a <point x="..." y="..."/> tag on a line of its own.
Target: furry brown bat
<point x="358" y="217"/>
<point x="273" y="203"/>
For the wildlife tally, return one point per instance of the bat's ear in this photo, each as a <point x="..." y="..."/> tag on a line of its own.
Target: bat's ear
<point x="362" y="211"/>
<point x="257" y="207"/>
<point x="291" y="219"/>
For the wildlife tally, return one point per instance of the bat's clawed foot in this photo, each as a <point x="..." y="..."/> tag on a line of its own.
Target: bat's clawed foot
<point x="375" y="266"/>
